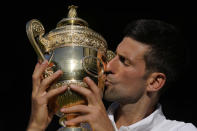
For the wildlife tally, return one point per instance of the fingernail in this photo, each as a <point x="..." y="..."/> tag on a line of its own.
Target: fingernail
<point x="58" y="72"/>
<point x="40" y="61"/>
<point x="64" y="87"/>
<point x="87" y="78"/>
<point x="72" y="85"/>
<point x="62" y="109"/>
<point x="44" y="62"/>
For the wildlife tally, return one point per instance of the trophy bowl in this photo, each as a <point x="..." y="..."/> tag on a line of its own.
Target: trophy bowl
<point x="75" y="49"/>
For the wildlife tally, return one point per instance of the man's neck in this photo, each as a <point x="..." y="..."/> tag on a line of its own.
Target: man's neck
<point x="128" y="114"/>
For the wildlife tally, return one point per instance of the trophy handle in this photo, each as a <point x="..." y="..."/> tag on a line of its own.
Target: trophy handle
<point x="94" y="61"/>
<point x="34" y="30"/>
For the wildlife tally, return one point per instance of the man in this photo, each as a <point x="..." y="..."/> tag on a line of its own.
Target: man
<point x="145" y="64"/>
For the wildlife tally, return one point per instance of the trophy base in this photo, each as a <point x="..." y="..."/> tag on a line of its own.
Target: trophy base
<point x="72" y="129"/>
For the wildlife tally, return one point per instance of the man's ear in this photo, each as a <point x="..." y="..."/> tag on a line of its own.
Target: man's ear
<point x="155" y="81"/>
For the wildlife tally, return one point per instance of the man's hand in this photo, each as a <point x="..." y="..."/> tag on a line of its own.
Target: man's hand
<point x="41" y="116"/>
<point x="94" y="112"/>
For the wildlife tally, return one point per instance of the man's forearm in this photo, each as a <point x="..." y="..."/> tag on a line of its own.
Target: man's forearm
<point x="33" y="127"/>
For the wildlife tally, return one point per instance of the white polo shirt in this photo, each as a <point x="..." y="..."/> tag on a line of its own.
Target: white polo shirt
<point x="154" y="122"/>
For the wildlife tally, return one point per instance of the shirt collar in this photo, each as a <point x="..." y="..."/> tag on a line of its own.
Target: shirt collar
<point x="144" y="124"/>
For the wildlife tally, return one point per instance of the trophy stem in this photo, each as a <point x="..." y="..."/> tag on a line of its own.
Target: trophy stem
<point x="71" y="129"/>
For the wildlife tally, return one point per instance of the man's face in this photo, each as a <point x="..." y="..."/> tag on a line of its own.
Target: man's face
<point x="125" y="82"/>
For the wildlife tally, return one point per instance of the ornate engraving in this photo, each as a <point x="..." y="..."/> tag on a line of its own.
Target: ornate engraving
<point x="37" y="28"/>
<point x="110" y="55"/>
<point x="73" y="36"/>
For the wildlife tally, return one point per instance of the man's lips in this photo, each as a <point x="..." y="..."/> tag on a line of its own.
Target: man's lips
<point x="108" y="82"/>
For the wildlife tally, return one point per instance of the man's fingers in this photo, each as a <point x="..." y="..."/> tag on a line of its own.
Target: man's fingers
<point x="37" y="66"/>
<point x="85" y="92"/>
<point x="47" y="81"/>
<point x="55" y="92"/>
<point x="82" y="109"/>
<point x="39" y="69"/>
<point x="92" y="85"/>
<point x="77" y="120"/>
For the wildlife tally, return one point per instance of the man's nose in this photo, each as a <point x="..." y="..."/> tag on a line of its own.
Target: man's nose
<point x="110" y="66"/>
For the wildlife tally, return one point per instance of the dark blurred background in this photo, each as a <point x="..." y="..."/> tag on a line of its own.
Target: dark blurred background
<point x="105" y="17"/>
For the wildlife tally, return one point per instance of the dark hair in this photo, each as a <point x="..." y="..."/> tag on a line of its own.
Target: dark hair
<point x="166" y="52"/>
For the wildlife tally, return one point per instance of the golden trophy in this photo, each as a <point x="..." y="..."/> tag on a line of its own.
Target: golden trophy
<point x="75" y="49"/>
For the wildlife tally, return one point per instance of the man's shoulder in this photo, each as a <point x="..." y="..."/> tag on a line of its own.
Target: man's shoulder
<point x="188" y="127"/>
<point x="173" y="125"/>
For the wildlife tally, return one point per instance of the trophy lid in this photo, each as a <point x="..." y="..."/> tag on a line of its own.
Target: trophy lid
<point x="72" y="18"/>
<point x="73" y="31"/>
